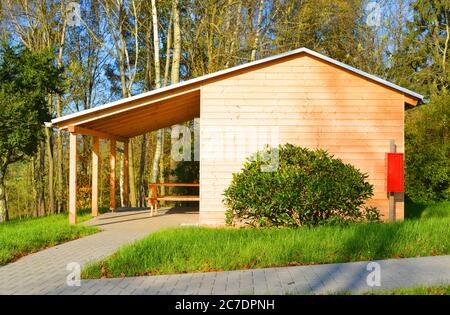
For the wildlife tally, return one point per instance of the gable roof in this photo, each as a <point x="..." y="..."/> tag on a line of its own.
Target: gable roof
<point x="217" y="74"/>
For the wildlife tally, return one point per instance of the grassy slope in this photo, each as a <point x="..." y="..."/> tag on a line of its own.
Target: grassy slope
<point x="205" y="249"/>
<point x="22" y="237"/>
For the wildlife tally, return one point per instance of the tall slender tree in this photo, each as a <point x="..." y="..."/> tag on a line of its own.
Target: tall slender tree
<point x="26" y="80"/>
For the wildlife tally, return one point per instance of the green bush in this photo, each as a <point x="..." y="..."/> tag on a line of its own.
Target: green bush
<point x="307" y="188"/>
<point x="427" y="143"/>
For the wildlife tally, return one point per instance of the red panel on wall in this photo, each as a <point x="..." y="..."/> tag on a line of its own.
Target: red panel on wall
<point x="394" y="172"/>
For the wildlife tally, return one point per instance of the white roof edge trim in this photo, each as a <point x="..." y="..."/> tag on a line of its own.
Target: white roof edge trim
<point x="236" y="68"/>
<point x="367" y="75"/>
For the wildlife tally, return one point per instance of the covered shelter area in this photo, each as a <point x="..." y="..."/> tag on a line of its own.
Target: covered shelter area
<point x="299" y="97"/>
<point x="118" y="122"/>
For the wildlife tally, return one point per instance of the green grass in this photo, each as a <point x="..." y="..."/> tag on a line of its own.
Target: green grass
<point x="424" y="210"/>
<point x="435" y="290"/>
<point x="183" y="250"/>
<point x="24" y="236"/>
<point x="422" y="290"/>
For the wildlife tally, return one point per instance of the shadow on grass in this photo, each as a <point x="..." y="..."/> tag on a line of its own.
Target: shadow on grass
<point x="378" y="244"/>
<point x="424" y="210"/>
<point x="414" y="210"/>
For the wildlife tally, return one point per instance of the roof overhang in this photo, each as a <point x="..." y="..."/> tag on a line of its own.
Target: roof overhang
<point x="180" y="102"/>
<point x="135" y="116"/>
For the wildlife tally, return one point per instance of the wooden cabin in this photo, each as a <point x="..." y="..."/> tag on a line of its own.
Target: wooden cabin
<point x="300" y="97"/>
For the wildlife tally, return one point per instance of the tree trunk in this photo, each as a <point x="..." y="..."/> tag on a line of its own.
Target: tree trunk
<point x="176" y="43"/>
<point x="49" y="148"/>
<point x="121" y="181"/>
<point x="176" y="56"/>
<point x="168" y="48"/>
<point x="235" y="36"/>
<point x="132" y="186"/>
<point x="143" y="139"/>
<point x="3" y="205"/>
<point x="40" y="180"/>
<point x="59" y="162"/>
<point x="141" y="171"/>
<point x="34" y="189"/>
<point x="156" y="45"/>
<point x="59" y="143"/>
<point x="166" y="78"/>
<point x="123" y="61"/>
<point x="444" y="53"/>
<point x="161" y="164"/>
<point x="258" y="30"/>
<point x="124" y="94"/>
<point x="157" y="154"/>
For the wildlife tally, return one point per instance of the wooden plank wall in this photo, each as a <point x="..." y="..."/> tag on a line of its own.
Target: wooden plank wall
<point x="308" y="102"/>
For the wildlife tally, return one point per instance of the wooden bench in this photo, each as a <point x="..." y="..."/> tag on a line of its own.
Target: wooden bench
<point x="154" y="198"/>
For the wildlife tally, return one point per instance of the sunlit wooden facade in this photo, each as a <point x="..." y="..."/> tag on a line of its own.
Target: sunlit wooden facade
<point x="300" y="97"/>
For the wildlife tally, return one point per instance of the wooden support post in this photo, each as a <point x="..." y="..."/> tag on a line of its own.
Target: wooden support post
<point x="112" y="175"/>
<point x="73" y="178"/>
<point x="126" y="180"/>
<point x="153" y="199"/>
<point x="392" y="214"/>
<point x="95" y="174"/>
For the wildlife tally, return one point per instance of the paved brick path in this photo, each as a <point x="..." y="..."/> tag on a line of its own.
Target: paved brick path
<point x="45" y="272"/>
<point x="332" y="278"/>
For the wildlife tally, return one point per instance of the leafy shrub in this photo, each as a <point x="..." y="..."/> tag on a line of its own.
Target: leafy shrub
<point x="427" y="143"/>
<point x="308" y="188"/>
